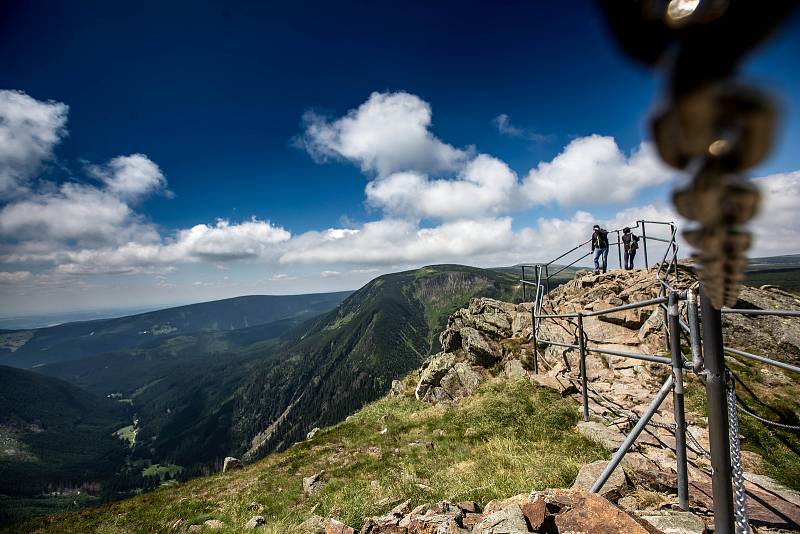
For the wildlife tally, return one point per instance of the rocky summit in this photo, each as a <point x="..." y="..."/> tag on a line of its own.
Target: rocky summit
<point x="492" y="337"/>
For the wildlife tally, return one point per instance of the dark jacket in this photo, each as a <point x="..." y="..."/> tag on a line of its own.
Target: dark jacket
<point x="630" y="241"/>
<point x="600" y="239"/>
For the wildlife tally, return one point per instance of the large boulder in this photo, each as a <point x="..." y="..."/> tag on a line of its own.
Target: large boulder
<point x="441" y="518"/>
<point x="599" y="332"/>
<point x="433" y="371"/>
<point x="509" y="520"/>
<point x="334" y="526"/>
<point x="580" y="511"/>
<point x="613" y="489"/>
<point x="447" y="380"/>
<point x="609" y="437"/>
<point x="313" y="484"/>
<point x="479" y="349"/>
<point x="522" y="322"/>
<point x="674" y="521"/>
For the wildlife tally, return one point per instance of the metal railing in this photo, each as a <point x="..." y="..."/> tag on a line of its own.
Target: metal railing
<point x="702" y="327"/>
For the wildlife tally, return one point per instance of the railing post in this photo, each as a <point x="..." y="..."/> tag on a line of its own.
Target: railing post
<point x="535" y="331"/>
<point x="694" y="332"/>
<point x="674" y="250"/>
<point x="662" y="292"/>
<point x="644" y="246"/>
<point x="547" y="278"/>
<point x="535" y="346"/>
<point x="524" y="288"/>
<point x="582" y="350"/>
<point x="678" y="404"/>
<point x="619" y="250"/>
<point x="717" y="407"/>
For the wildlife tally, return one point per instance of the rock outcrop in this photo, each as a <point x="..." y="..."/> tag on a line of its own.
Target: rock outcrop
<point x="487" y="333"/>
<point x="231" y="463"/>
<point x="491" y="337"/>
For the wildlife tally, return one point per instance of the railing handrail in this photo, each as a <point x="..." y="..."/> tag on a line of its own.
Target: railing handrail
<point x="618" y="242"/>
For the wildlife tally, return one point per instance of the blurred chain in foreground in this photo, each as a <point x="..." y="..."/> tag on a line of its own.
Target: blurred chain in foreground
<point x="710" y="125"/>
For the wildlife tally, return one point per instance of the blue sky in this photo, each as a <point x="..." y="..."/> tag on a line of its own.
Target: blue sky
<point x="220" y="102"/>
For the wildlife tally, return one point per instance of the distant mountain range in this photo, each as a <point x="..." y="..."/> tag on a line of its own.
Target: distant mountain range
<point x="184" y="387"/>
<point x="71" y="341"/>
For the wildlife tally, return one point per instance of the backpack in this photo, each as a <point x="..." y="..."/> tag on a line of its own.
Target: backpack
<point x="634" y="242"/>
<point x="600" y="239"/>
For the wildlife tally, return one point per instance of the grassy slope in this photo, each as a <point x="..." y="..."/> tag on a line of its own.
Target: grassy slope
<point x="507" y="439"/>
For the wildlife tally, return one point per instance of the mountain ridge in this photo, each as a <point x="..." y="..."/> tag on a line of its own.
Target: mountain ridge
<point x="30" y="347"/>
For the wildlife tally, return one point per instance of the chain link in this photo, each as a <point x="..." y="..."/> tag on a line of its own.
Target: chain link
<point x="701" y="450"/>
<point x="794" y="428"/>
<point x="739" y="494"/>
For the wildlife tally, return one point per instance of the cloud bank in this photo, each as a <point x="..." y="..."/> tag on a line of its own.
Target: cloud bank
<point x="434" y="202"/>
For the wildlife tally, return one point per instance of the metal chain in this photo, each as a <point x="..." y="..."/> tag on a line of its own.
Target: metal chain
<point x="739" y="495"/>
<point x="794" y="428"/>
<point x="634" y="418"/>
<point x="746" y="411"/>
<point x="705" y="453"/>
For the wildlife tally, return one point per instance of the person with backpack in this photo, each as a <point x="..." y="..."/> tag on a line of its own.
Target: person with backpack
<point x="600" y="248"/>
<point x="631" y="242"/>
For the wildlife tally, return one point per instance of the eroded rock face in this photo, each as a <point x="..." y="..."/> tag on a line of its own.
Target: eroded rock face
<point x="478" y="348"/>
<point x="494" y="337"/>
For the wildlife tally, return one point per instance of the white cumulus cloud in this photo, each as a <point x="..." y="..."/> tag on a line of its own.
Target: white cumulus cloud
<point x="29" y="129"/>
<point x="72" y="212"/>
<point x="777" y="226"/>
<point x="485" y="186"/>
<point x="221" y="242"/>
<point x="130" y="177"/>
<point x="393" y="241"/>
<point x="227" y="242"/>
<point x="593" y="170"/>
<point x="387" y="133"/>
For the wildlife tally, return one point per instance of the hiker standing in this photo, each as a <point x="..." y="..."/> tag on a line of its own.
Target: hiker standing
<point x="631" y="242"/>
<point x="600" y="248"/>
